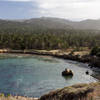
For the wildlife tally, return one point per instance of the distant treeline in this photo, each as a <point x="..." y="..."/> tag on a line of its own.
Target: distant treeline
<point x="29" y="38"/>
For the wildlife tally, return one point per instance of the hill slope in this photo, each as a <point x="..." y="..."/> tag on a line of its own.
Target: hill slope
<point x="51" y="23"/>
<point x="36" y="23"/>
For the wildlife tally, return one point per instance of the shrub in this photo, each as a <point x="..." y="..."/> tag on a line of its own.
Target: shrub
<point x="95" y="51"/>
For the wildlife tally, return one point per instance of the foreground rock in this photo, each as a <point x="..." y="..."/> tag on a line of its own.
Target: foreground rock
<point x="67" y="72"/>
<point x="75" y="92"/>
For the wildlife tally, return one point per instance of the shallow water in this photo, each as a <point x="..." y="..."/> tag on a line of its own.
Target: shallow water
<point x="34" y="76"/>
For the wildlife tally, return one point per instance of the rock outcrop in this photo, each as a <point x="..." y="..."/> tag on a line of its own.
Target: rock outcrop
<point x="67" y="72"/>
<point x="76" y="92"/>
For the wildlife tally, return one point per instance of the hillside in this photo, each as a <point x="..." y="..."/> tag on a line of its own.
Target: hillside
<point x="86" y="24"/>
<point x="36" y="23"/>
<point x="51" y="23"/>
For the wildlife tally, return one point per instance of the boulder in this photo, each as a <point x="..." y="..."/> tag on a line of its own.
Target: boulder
<point x="87" y="72"/>
<point x="67" y="72"/>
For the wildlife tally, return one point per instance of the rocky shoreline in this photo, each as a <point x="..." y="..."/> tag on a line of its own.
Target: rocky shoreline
<point x="76" y="92"/>
<point x="93" y="61"/>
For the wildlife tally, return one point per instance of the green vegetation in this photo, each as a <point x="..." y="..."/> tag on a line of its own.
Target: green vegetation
<point x="95" y="51"/>
<point x="46" y="33"/>
<point x="17" y="38"/>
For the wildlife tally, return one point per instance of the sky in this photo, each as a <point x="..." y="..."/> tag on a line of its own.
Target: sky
<point x="68" y="9"/>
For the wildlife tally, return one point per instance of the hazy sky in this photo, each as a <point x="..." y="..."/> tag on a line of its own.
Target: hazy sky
<point x="69" y="9"/>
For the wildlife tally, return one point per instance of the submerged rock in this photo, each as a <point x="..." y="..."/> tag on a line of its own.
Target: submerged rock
<point x="67" y="72"/>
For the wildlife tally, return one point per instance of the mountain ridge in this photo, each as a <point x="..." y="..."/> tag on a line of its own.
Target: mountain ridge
<point x="53" y="23"/>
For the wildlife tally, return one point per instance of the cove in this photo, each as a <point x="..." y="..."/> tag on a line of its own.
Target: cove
<point x="34" y="76"/>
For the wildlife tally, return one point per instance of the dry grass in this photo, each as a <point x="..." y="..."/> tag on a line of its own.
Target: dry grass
<point x="84" y="51"/>
<point x="2" y="97"/>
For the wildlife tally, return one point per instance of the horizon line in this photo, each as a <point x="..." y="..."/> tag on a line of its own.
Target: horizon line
<point x="74" y="19"/>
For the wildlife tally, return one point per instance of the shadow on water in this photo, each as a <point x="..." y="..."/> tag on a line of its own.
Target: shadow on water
<point x="96" y="75"/>
<point x="68" y="77"/>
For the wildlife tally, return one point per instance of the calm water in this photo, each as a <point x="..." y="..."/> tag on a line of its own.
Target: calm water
<point x="34" y="76"/>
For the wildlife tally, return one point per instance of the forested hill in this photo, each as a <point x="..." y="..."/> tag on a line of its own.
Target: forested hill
<point x="86" y="24"/>
<point x="34" y="24"/>
<point x="50" y="23"/>
<point x="45" y="33"/>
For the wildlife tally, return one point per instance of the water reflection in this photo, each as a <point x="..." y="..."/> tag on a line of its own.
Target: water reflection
<point x="68" y="77"/>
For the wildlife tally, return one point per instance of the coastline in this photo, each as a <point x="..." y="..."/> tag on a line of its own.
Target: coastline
<point x="93" y="61"/>
<point x="80" y="58"/>
<point x="75" y="92"/>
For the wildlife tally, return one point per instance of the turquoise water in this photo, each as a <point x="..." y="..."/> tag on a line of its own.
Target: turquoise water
<point x="34" y="76"/>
